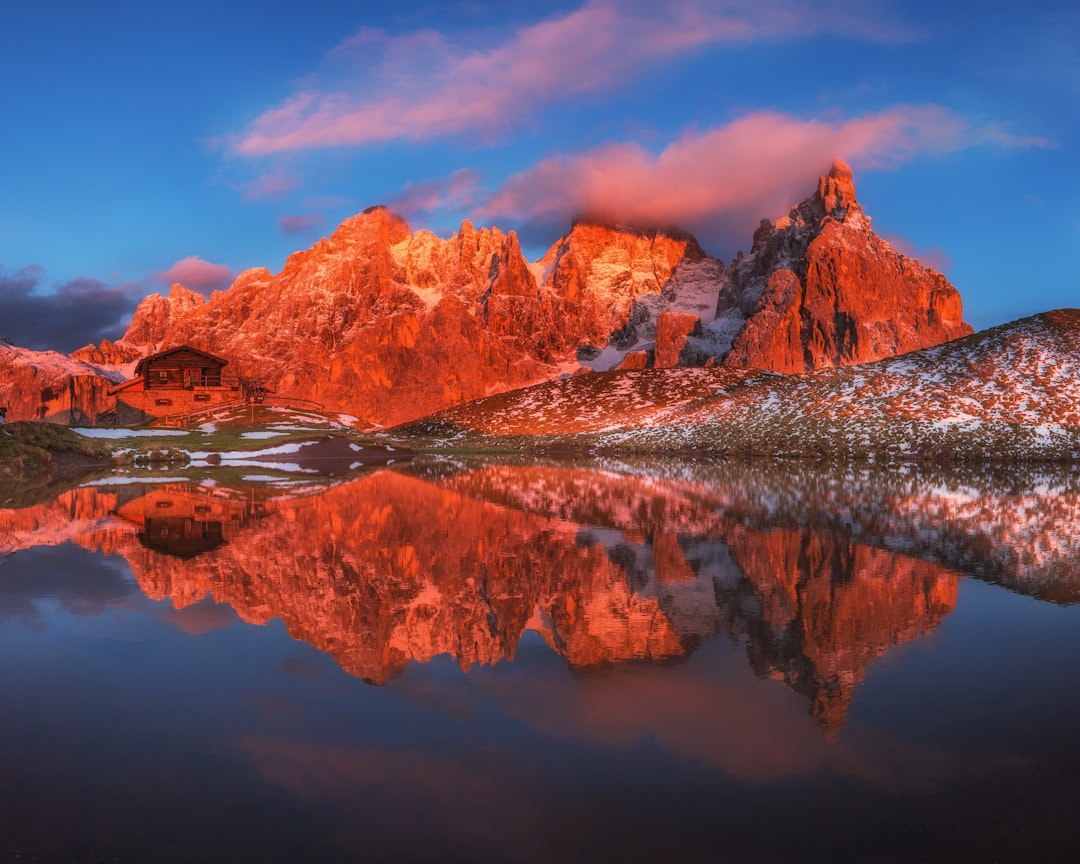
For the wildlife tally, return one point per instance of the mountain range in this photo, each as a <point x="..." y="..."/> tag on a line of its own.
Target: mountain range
<point x="388" y="325"/>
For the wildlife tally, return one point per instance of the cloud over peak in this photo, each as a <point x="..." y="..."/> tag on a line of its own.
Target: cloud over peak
<point x="724" y="179"/>
<point x="198" y="275"/>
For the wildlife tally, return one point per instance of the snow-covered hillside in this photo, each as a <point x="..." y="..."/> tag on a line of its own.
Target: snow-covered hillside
<point x="1010" y="392"/>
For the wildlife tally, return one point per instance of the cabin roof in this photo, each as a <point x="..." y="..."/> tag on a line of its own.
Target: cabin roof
<point x="112" y="391"/>
<point x="141" y="366"/>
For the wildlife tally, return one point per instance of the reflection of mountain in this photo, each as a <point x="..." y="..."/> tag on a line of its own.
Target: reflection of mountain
<point x="814" y="608"/>
<point x="606" y="567"/>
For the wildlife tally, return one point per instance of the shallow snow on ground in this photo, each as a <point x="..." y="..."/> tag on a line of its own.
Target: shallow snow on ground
<point x="261" y="434"/>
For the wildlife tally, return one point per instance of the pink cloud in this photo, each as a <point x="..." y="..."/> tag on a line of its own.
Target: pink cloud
<point x="459" y="191"/>
<point x="273" y="185"/>
<point x="727" y="178"/>
<point x="198" y="275"/>
<point x="419" y="86"/>
<point x="301" y="224"/>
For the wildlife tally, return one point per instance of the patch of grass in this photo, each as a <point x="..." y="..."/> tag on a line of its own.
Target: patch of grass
<point x="29" y="448"/>
<point x="37" y="458"/>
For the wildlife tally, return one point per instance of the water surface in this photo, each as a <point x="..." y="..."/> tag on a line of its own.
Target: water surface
<point x="454" y="661"/>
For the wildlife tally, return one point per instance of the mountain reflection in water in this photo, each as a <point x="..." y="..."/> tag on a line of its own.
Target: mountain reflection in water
<point x="817" y="573"/>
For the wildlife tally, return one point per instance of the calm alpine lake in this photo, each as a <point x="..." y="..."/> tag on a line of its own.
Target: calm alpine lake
<point x="529" y="662"/>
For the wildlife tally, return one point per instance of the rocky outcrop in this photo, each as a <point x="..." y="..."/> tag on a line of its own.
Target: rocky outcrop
<point x="820" y="289"/>
<point x="47" y="385"/>
<point x="673" y="331"/>
<point x="152" y="317"/>
<point x="108" y="354"/>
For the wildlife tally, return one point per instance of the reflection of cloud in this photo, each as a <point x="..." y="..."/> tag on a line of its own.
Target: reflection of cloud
<point x="467" y="798"/>
<point x="727" y="178"/>
<point x="81" y="582"/>
<point x="65" y="318"/>
<point x="420" y="86"/>
<point x="197" y="275"/>
<point x="718" y="714"/>
<point x="199" y="618"/>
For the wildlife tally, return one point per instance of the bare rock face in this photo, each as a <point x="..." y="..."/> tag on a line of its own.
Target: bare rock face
<point x="634" y="360"/>
<point x="821" y="289"/>
<point x="153" y="315"/>
<point x="389" y="324"/>
<point x="108" y="353"/>
<point x="672" y="332"/>
<point x="47" y="385"/>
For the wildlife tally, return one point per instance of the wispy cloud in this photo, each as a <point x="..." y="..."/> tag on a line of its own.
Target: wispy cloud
<point x="306" y="223"/>
<point x="272" y="185"/>
<point x="197" y="275"/>
<point x="724" y="179"/>
<point x="418" y="86"/>
<point x="459" y="191"/>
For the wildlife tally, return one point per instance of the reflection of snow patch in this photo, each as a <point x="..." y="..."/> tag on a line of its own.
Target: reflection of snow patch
<point x="101" y="432"/>
<point x="120" y="480"/>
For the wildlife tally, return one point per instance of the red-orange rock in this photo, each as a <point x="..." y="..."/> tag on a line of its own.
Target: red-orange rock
<point x="390" y="325"/>
<point x="672" y="332"/>
<point x="47" y="385"/>
<point x="107" y="354"/>
<point x="634" y="360"/>
<point x="821" y="289"/>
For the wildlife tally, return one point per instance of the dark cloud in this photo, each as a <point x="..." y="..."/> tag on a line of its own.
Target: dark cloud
<point x="63" y="317"/>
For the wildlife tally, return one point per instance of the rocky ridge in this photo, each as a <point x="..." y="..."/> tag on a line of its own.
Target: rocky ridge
<point x="388" y="324"/>
<point x="48" y="385"/>
<point x="1011" y="393"/>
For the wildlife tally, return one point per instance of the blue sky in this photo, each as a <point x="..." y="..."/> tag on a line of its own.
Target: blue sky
<point x="144" y="143"/>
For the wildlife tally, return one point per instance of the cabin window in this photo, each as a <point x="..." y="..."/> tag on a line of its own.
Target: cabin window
<point x="202" y="397"/>
<point x="163" y="401"/>
<point x="163" y="375"/>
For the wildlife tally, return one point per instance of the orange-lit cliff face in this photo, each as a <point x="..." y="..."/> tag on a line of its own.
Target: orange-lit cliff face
<point x="46" y="385"/>
<point x="820" y="289"/>
<point x="393" y="568"/>
<point x="390" y="325"/>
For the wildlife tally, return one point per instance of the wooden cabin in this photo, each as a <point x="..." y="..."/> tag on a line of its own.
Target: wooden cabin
<point x="172" y="382"/>
<point x="181" y="367"/>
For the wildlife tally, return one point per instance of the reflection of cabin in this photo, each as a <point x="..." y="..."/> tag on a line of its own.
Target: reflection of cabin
<point x="179" y="536"/>
<point x="175" y="381"/>
<point x="185" y="521"/>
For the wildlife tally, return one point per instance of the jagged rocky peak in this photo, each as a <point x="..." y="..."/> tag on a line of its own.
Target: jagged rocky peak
<point x="836" y="190"/>
<point x="152" y="316"/>
<point x="821" y="289"/>
<point x="834" y="199"/>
